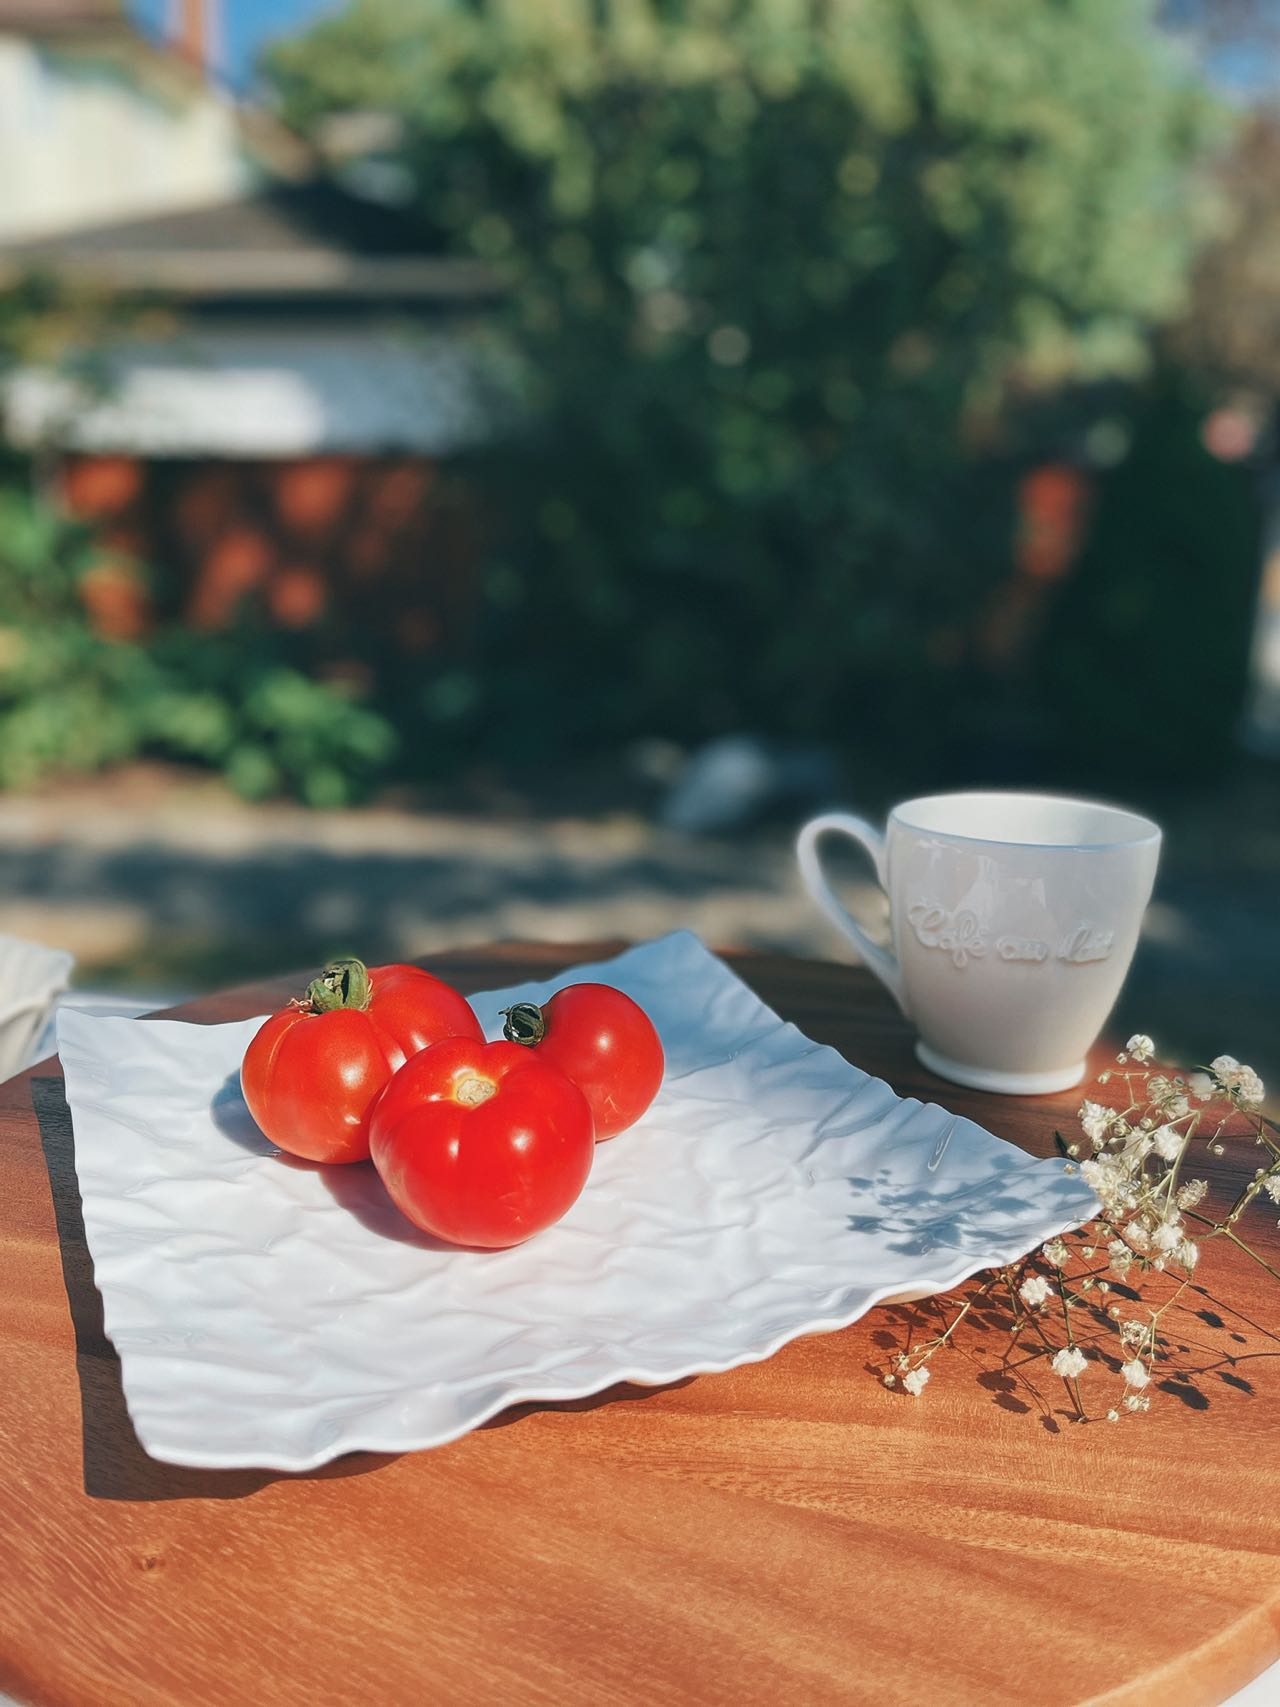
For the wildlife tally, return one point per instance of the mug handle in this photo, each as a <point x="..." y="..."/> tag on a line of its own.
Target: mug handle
<point x="879" y="960"/>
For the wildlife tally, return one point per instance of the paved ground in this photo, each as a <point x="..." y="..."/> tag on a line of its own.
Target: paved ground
<point x="171" y="886"/>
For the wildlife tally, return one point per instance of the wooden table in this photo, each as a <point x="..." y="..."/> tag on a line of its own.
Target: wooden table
<point x="788" y="1534"/>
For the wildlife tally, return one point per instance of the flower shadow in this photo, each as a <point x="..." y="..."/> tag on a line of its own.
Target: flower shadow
<point x="1014" y="1367"/>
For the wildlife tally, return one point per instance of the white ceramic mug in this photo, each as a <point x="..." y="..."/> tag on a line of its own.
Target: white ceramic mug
<point x="1014" y="920"/>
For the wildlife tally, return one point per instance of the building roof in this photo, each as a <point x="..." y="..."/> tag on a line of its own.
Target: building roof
<point x="299" y="239"/>
<point x="310" y="241"/>
<point x="60" y="17"/>
<point x="103" y="28"/>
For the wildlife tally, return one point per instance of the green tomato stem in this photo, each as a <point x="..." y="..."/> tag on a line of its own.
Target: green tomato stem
<point x="526" y="1024"/>
<point x="342" y="984"/>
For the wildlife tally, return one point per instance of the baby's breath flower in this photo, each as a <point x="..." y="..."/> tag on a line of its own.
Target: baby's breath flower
<point x="1168" y="1235"/>
<point x="1167" y="1095"/>
<point x="1241" y="1083"/>
<point x="1096" y="1173"/>
<point x="1193" y="1191"/>
<point x="1167" y="1143"/>
<point x="1115" y="1180"/>
<point x="1096" y="1119"/>
<point x="1248" y="1089"/>
<point x="1069" y="1362"/>
<point x="1140" y="1223"/>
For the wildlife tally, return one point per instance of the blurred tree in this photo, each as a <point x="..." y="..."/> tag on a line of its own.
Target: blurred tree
<point x="1130" y="688"/>
<point x="777" y="271"/>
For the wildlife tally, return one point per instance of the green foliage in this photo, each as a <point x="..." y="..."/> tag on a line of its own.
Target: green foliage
<point x="73" y="700"/>
<point x="774" y="270"/>
<point x="1133" y="686"/>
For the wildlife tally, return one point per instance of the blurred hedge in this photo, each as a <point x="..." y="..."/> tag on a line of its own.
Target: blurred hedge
<point x="780" y="275"/>
<point x="76" y="696"/>
<point x="88" y="676"/>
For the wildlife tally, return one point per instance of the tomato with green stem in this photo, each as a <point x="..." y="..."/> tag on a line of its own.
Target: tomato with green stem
<point x="602" y="1040"/>
<point x="313" y="1072"/>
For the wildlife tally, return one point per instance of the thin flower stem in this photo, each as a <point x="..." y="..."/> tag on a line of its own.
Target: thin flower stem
<point x="1073" y="1382"/>
<point x="1261" y="1261"/>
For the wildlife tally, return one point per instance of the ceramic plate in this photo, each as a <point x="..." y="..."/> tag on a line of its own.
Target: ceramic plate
<point x="272" y="1313"/>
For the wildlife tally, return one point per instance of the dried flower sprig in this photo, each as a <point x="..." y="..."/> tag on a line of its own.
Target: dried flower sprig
<point x="1135" y="1157"/>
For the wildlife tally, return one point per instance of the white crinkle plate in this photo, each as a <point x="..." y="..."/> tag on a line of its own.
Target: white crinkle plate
<point x="272" y="1313"/>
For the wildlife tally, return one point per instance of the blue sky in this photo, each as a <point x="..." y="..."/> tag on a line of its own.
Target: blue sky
<point x="1243" y="64"/>
<point x="244" y="26"/>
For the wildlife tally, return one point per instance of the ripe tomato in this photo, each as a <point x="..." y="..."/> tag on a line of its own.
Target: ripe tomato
<point x="603" y="1041"/>
<point x="312" y="1072"/>
<point x="482" y="1143"/>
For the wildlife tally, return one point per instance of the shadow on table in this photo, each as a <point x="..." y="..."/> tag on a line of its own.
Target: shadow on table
<point x="115" y="1465"/>
<point x="1191" y="1368"/>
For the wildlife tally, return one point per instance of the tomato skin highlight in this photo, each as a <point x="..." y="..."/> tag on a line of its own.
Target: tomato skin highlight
<point x="482" y="1144"/>
<point x="606" y="1043"/>
<point x="311" y="1079"/>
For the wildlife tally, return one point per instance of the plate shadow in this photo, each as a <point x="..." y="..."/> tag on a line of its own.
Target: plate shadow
<point x="116" y="1467"/>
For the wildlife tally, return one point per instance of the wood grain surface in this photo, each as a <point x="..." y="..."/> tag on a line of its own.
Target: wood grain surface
<point x="787" y="1534"/>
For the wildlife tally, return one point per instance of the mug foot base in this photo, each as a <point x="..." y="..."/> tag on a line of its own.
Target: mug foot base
<point x="1005" y="1084"/>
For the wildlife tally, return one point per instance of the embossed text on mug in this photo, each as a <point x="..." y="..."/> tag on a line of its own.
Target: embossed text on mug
<point x="959" y="934"/>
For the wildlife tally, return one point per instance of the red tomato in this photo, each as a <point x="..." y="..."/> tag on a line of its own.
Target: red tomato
<point x="482" y="1143"/>
<point x="312" y="1072"/>
<point x="603" y="1041"/>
